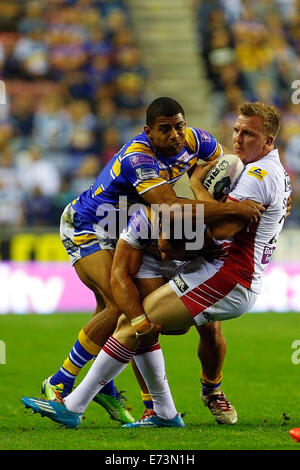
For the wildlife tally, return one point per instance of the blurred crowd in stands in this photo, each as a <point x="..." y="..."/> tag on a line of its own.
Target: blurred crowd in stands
<point x="75" y="84"/>
<point x="251" y="50"/>
<point x="77" y="90"/>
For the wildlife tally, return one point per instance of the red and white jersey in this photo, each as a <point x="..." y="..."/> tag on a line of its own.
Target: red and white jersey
<point x="250" y="250"/>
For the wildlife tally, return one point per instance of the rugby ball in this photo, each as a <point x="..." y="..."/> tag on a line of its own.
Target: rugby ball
<point x="222" y="178"/>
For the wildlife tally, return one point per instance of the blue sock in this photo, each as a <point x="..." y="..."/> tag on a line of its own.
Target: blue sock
<point x="71" y="367"/>
<point x="148" y="405"/>
<point x="109" y="389"/>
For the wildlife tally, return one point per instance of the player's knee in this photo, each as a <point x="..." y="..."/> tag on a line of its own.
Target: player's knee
<point x="211" y="332"/>
<point x="123" y="324"/>
<point x="122" y="320"/>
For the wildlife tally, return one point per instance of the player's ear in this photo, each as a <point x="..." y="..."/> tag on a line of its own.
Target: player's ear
<point x="147" y="130"/>
<point x="270" y="141"/>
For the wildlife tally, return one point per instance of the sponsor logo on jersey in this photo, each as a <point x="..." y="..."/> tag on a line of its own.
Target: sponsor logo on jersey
<point x="267" y="254"/>
<point x="257" y="172"/>
<point x="146" y="173"/>
<point x="136" y="160"/>
<point x="205" y="137"/>
<point x="180" y="283"/>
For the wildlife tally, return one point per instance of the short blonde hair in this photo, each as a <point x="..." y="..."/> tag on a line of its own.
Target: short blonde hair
<point x="268" y="114"/>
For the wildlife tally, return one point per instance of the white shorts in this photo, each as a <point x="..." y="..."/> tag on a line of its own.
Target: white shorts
<point x="153" y="267"/>
<point x="210" y="295"/>
<point x="80" y="239"/>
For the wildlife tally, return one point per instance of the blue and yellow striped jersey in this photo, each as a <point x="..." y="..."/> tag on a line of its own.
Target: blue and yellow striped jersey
<point x="137" y="168"/>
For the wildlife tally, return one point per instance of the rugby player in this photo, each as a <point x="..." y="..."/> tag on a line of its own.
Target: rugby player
<point x="144" y="170"/>
<point x="204" y="291"/>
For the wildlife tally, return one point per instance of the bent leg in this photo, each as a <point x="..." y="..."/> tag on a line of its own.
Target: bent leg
<point x="164" y="307"/>
<point x="150" y="362"/>
<point x="94" y="272"/>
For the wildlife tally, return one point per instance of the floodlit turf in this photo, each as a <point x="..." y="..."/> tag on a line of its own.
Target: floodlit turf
<point x="259" y="378"/>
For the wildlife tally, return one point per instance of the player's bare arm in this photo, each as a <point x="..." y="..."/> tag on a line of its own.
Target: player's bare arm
<point x="238" y="208"/>
<point x="213" y="211"/>
<point x="229" y="228"/>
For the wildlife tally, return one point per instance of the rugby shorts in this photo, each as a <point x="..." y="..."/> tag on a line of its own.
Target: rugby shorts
<point x="210" y="295"/>
<point x="153" y="267"/>
<point x="82" y="239"/>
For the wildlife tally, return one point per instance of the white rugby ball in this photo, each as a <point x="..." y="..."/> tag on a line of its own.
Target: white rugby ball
<point x="222" y="178"/>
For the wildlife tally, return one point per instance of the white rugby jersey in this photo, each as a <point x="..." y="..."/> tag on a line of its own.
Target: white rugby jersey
<point x="250" y="250"/>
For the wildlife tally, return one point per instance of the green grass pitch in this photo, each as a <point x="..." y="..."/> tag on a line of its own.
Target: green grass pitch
<point x="259" y="378"/>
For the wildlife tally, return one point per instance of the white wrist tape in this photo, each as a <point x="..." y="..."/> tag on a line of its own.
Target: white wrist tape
<point x="135" y="321"/>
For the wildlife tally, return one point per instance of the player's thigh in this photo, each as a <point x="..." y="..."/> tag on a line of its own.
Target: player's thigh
<point x="94" y="271"/>
<point x="164" y="307"/>
<point x="147" y="285"/>
<point x="100" y="304"/>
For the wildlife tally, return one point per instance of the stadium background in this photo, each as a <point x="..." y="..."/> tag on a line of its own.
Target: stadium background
<point x="78" y="76"/>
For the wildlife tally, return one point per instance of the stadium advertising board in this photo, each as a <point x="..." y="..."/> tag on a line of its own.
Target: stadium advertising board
<point x="43" y="288"/>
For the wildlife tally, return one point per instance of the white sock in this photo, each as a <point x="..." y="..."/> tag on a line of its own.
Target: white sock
<point x="152" y="367"/>
<point x="109" y="363"/>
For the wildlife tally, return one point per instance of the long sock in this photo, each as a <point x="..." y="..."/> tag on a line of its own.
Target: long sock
<point x="152" y="366"/>
<point x="109" y="363"/>
<point x="209" y="386"/>
<point x="82" y="352"/>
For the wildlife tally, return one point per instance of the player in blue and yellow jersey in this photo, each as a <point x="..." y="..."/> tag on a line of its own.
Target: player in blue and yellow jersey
<point x="144" y="170"/>
<point x="143" y="164"/>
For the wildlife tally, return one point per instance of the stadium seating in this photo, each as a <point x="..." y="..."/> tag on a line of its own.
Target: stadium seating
<point x="252" y="52"/>
<point x="75" y="85"/>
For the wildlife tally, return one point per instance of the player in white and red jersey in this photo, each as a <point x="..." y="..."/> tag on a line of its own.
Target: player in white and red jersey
<point x="249" y="251"/>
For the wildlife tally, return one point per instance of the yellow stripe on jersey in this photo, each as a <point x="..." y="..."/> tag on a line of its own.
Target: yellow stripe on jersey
<point x="190" y="140"/>
<point x="87" y="237"/>
<point x="148" y="184"/>
<point x="116" y="168"/>
<point x="89" y="345"/>
<point x="181" y="168"/>
<point x="217" y="154"/>
<point x="98" y="191"/>
<point x="257" y="172"/>
<point x="178" y="170"/>
<point x="138" y="147"/>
